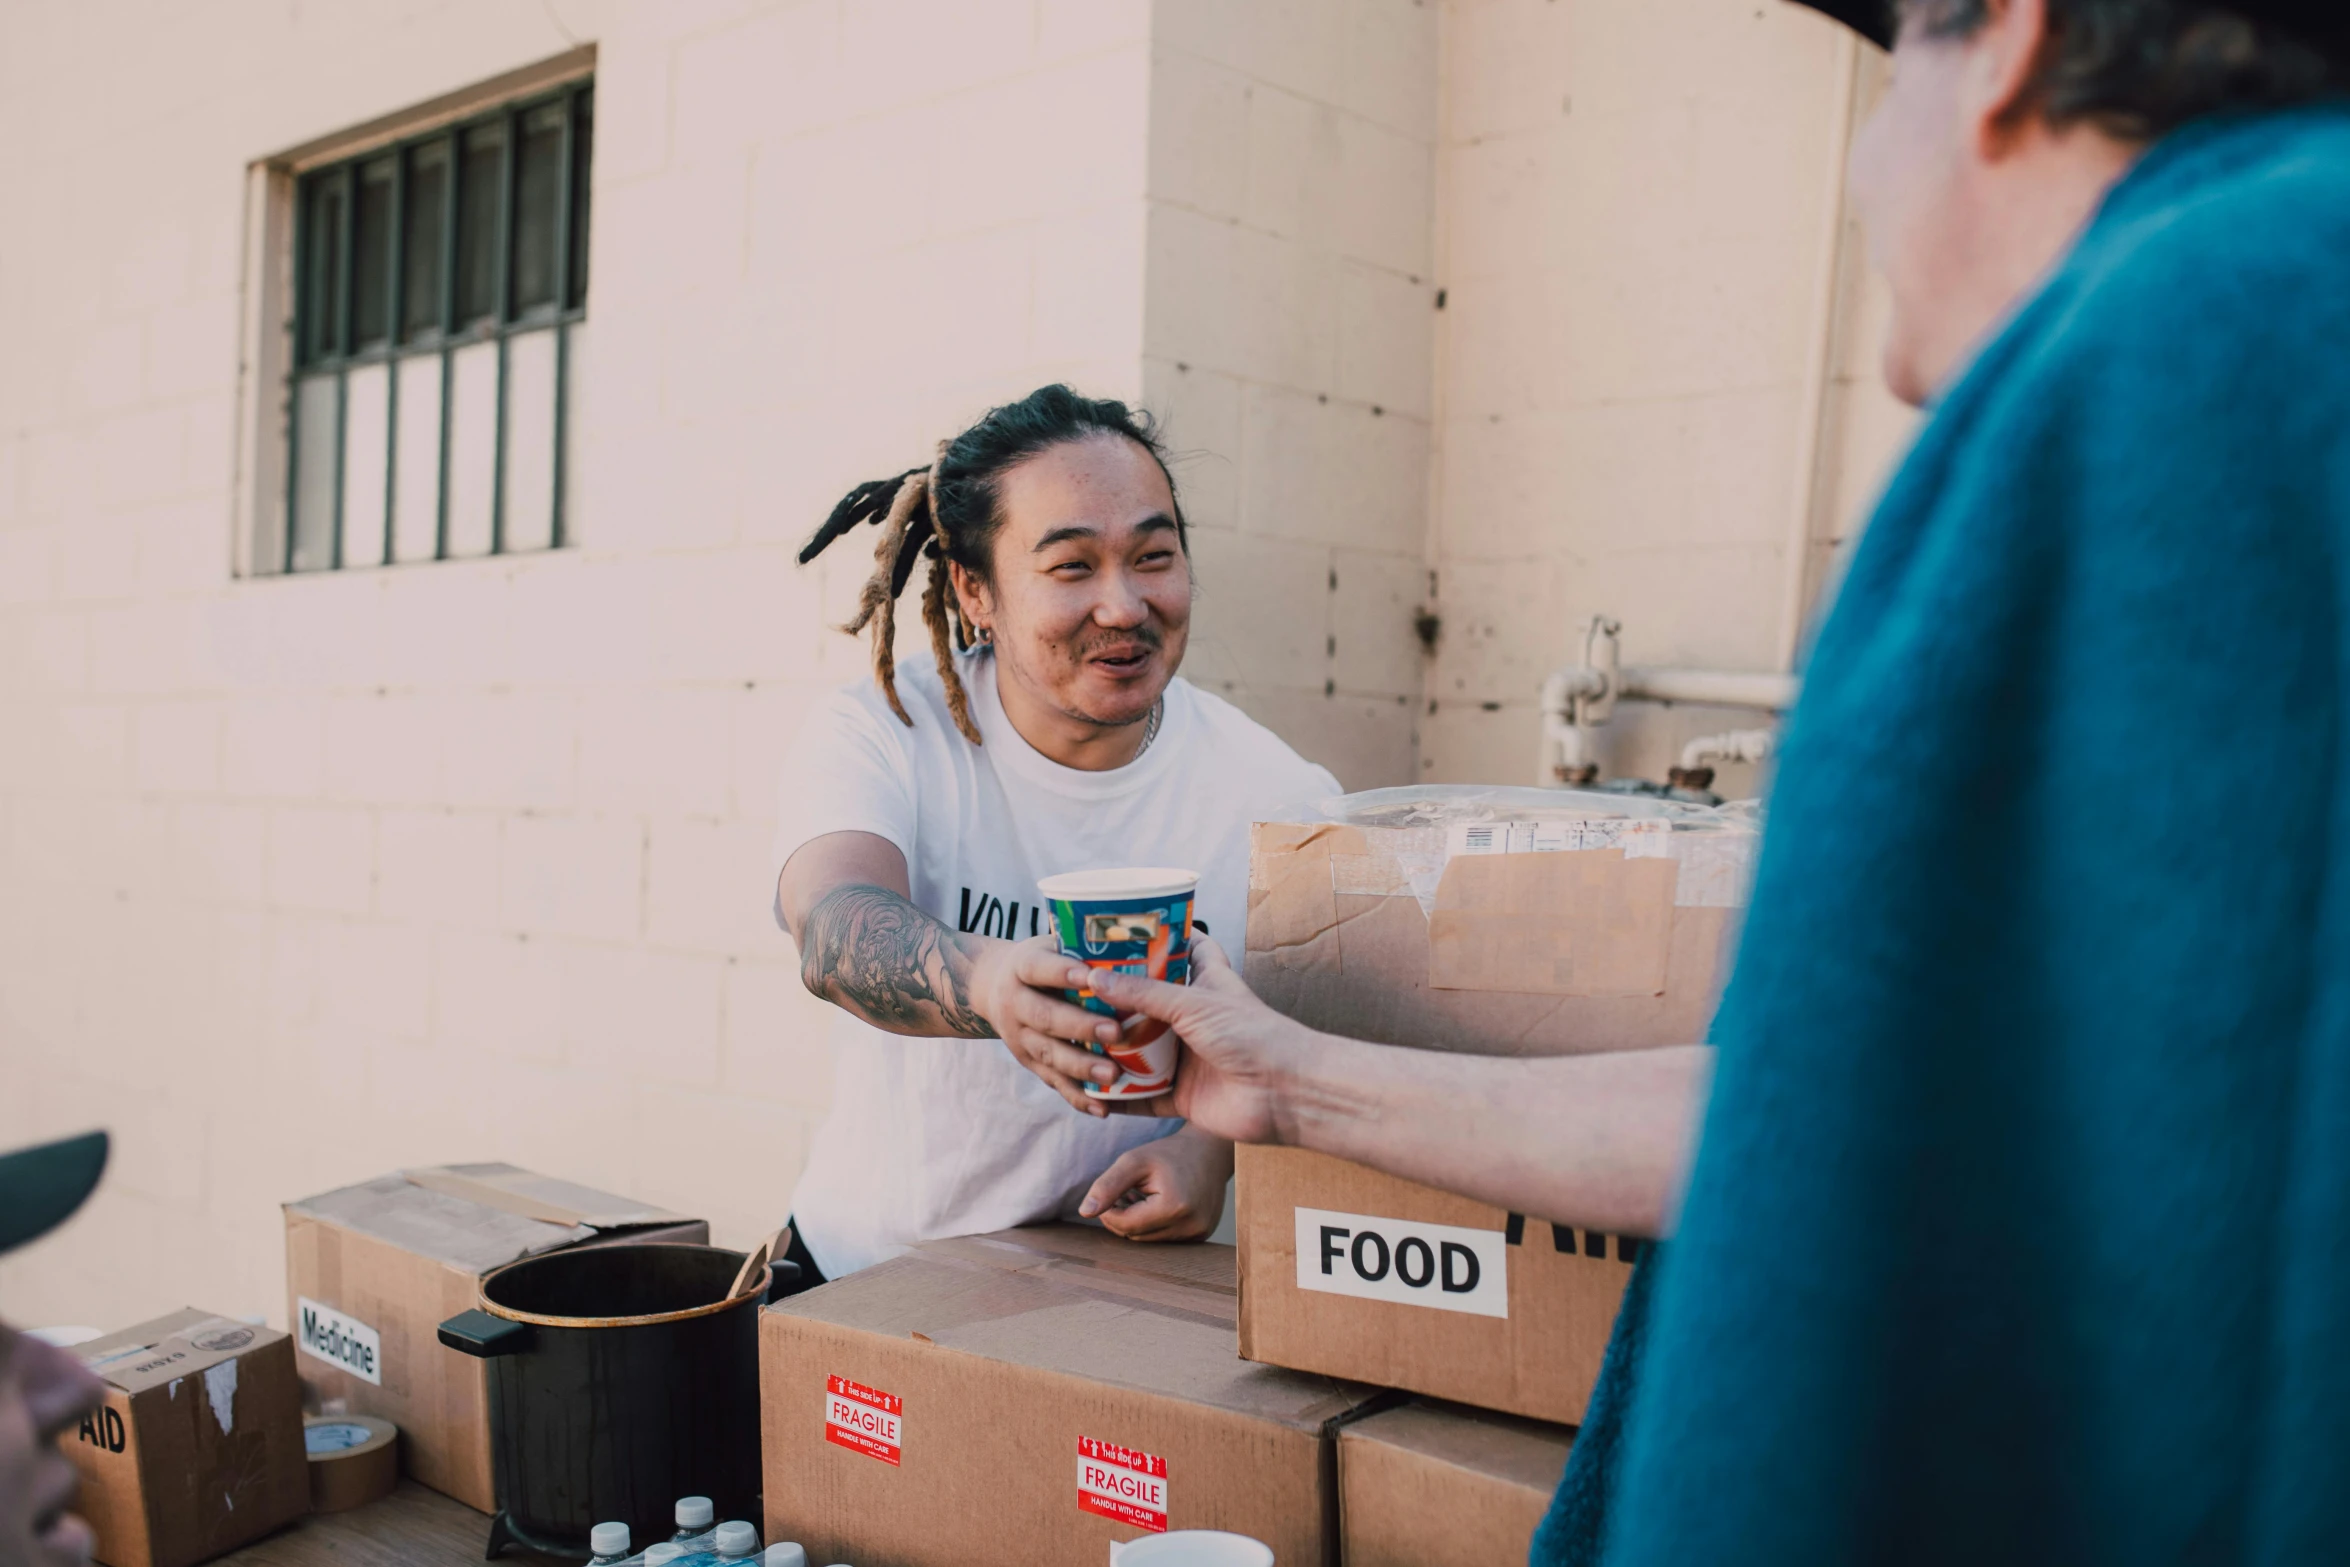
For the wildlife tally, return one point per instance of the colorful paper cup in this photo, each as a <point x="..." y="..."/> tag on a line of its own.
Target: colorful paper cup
<point x="1131" y="922"/>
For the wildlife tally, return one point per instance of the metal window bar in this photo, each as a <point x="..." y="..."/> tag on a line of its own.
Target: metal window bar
<point x="347" y="177"/>
<point x="395" y="314"/>
<point x="502" y="256"/>
<point x="561" y="270"/>
<point x="334" y="351"/>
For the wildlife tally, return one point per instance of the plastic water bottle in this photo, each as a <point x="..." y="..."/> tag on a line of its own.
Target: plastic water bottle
<point x="663" y="1554"/>
<point x="736" y="1540"/>
<point x="608" y="1544"/>
<point x="694" y="1516"/>
<point x="785" y="1554"/>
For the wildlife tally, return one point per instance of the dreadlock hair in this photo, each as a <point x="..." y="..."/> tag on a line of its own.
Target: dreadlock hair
<point x="947" y="513"/>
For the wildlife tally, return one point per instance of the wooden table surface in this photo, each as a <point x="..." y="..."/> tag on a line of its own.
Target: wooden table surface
<point x="412" y="1527"/>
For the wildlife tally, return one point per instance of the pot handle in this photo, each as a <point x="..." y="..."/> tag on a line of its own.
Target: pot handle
<point x="480" y="1334"/>
<point x="783" y="1278"/>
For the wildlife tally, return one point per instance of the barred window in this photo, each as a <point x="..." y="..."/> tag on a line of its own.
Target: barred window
<point x="439" y="290"/>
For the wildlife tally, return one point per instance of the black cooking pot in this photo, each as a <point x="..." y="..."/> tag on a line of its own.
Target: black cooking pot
<point x="621" y="1378"/>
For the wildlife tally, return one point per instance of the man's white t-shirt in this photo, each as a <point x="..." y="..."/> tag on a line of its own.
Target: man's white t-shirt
<point x="940" y="1137"/>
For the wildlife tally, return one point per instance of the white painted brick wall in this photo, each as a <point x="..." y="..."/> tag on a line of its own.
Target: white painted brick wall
<point x="1290" y="333"/>
<point x="1630" y="239"/>
<point x="303" y="880"/>
<point x="306" y="879"/>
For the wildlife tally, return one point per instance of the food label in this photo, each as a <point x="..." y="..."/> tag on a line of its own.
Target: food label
<point x="863" y="1419"/>
<point x="343" y="1342"/>
<point x="1120" y="1483"/>
<point x="1404" y="1261"/>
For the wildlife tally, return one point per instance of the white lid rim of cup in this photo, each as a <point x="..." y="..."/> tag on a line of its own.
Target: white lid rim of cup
<point x="1153" y="881"/>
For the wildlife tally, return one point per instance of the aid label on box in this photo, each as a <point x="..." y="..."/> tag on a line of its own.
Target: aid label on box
<point x="1404" y="1261"/>
<point x="863" y="1419"/>
<point x="1122" y="1484"/>
<point x="346" y="1343"/>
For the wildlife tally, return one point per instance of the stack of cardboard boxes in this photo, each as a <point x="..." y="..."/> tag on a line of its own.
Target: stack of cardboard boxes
<point x="372" y="1270"/>
<point x="1033" y="1396"/>
<point x="1500" y="924"/>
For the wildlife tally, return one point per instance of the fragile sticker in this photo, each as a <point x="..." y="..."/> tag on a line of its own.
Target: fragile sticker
<point x="1122" y="1484"/>
<point x="863" y="1419"/>
<point x="1404" y="1261"/>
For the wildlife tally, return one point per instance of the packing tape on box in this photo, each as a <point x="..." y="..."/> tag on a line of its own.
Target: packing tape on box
<point x="353" y="1459"/>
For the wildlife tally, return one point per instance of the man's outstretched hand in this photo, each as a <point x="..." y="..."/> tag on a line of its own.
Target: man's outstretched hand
<point x="1239" y="1055"/>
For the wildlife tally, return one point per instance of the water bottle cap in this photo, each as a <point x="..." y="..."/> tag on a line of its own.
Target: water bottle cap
<point x="608" y="1539"/>
<point x="666" y="1551"/>
<point x="736" y="1538"/>
<point x="786" y="1554"/>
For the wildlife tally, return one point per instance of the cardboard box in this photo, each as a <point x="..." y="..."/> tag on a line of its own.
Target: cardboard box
<point x="1428" y="926"/>
<point x="198" y="1447"/>
<point x="373" y="1270"/>
<point x="1445" y="1296"/>
<point x="1537" y="937"/>
<point x="1435" y="1485"/>
<point x="1027" y="1398"/>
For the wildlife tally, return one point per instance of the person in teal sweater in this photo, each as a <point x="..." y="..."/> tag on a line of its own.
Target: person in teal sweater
<point x="2009" y="1206"/>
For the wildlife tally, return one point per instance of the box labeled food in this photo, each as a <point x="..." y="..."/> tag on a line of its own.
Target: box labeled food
<point x="197" y="1448"/>
<point x="372" y="1270"/>
<point x="1028" y="1398"/>
<point x="1489" y="922"/>
<point x="1436" y="1485"/>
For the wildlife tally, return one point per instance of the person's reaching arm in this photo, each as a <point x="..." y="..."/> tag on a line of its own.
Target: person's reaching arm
<point x="865" y="947"/>
<point x="1600" y="1142"/>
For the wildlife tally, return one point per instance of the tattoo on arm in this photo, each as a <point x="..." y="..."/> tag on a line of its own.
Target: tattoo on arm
<point x="869" y="950"/>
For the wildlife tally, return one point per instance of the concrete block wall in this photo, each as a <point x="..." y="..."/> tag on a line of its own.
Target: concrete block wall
<point x="305" y="879"/>
<point x="1498" y="307"/>
<point x="1635" y="213"/>
<point x="1289" y="338"/>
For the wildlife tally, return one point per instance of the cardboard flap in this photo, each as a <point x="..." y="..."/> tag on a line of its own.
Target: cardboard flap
<point x="476" y="1217"/>
<point x="180" y="1345"/>
<point x="1508" y="1448"/>
<point x="1591" y="922"/>
<point x="1033" y="1298"/>
<point x="532" y="1196"/>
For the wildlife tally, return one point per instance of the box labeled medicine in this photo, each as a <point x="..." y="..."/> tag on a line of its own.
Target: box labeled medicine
<point x="1029" y="1398"/>
<point x="372" y="1270"/>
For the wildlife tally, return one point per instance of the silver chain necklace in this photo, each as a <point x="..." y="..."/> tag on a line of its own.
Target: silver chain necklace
<point x="1150" y="728"/>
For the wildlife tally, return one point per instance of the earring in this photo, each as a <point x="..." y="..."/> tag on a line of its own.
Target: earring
<point x="986" y="635"/>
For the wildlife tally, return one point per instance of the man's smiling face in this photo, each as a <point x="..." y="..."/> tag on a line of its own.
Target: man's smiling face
<point x="1089" y="596"/>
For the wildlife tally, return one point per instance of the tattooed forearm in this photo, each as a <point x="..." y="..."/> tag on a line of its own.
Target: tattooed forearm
<point x="869" y="950"/>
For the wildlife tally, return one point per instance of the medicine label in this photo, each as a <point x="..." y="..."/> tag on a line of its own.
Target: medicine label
<point x="863" y="1419"/>
<point x="1122" y="1484"/>
<point x="1403" y="1261"/>
<point x="346" y="1343"/>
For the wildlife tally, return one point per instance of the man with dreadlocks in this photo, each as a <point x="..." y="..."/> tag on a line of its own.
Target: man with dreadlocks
<point x="919" y="811"/>
<point x="2019" y="1227"/>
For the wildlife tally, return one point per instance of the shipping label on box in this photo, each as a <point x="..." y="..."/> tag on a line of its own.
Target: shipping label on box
<point x="197" y="1448"/>
<point x="373" y="1270"/>
<point x="976" y="1370"/>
